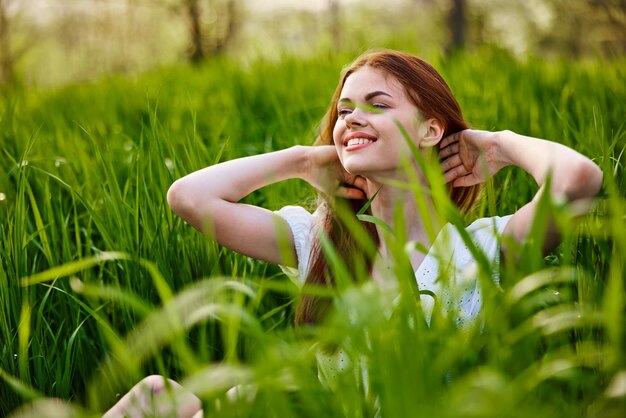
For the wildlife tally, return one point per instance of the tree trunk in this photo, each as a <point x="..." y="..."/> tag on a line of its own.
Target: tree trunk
<point x="457" y="25"/>
<point x="222" y="39"/>
<point x="196" y="48"/>
<point x="335" y="24"/>
<point x="7" y="67"/>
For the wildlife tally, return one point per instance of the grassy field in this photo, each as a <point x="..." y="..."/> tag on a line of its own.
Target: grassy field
<point x="100" y="284"/>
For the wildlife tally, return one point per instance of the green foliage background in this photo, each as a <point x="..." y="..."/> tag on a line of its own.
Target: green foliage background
<point x="85" y="170"/>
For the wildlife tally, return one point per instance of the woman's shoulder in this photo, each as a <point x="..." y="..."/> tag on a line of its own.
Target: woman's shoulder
<point x="298" y="217"/>
<point x="482" y="229"/>
<point x="493" y="224"/>
<point x="294" y="212"/>
<point x="301" y="223"/>
<point x="484" y="233"/>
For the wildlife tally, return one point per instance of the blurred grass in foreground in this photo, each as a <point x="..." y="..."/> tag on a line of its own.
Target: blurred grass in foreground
<point x="121" y="288"/>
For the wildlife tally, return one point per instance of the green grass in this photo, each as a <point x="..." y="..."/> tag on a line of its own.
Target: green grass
<point x="125" y="288"/>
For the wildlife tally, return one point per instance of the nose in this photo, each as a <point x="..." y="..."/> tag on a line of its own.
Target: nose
<point x="355" y="118"/>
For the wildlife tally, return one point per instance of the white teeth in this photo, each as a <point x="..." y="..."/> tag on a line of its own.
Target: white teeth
<point x="358" y="141"/>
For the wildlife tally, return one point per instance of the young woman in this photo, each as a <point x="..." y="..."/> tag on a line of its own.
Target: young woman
<point x="382" y="99"/>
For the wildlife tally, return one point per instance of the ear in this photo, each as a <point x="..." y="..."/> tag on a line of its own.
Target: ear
<point x="433" y="133"/>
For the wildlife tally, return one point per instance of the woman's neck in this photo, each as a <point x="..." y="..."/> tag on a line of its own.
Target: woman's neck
<point x="386" y="204"/>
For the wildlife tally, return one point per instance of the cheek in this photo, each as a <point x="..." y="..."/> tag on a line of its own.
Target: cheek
<point x="416" y="128"/>
<point x="337" y="135"/>
<point x="338" y="132"/>
<point x="411" y="131"/>
<point x="338" y="149"/>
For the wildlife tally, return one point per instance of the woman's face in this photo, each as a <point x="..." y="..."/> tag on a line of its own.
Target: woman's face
<point x="368" y="141"/>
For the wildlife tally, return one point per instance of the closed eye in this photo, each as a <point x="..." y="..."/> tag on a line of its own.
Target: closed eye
<point x="344" y="111"/>
<point x="375" y="107"/>
<point x="380" y="106"/>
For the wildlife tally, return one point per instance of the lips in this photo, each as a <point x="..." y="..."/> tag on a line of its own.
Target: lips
<point x="358" y="138"/>
<point x="358" y="141"/>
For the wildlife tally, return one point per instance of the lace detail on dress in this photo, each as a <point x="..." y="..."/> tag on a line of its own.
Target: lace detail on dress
<point x="449" y="260"/>
<point x="449" y="270"/>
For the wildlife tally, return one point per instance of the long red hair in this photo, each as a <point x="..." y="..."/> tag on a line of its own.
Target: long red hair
<point x="431" y="95"/>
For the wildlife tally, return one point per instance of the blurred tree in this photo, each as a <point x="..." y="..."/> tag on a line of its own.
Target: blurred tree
<point x="212" y="38"/>
<point x="457" y="25"/>
<point x="70" y="40"/>
<point x="224" y="30"/>
<point x="211" y="24"/>
<point x="550" y="27"/>
<point x="456" y="22"/>
<point x="335" y="23"/>
<point x="615" y="12"/>
<point x="6" y="56"/>
<point x="11" y="48"/>
<point x="584" y="27"/>
<point x="196" y="48"/>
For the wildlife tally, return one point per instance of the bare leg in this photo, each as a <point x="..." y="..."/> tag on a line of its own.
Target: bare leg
<point x="152" y="397"/>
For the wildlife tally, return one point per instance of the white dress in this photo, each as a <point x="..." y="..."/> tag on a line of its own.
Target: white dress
<point x="449" y="252"/>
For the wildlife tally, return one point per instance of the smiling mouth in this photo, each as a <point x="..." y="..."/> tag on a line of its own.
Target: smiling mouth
<point x="359" y="141"/>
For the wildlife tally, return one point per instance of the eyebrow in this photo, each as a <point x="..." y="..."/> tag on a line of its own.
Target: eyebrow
<point x="368" y="96"/>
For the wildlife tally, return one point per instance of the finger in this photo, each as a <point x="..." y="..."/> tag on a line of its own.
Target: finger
<point x="354" y="181"/>
<point x="360" y="182"/>
<point x="449" y="150"/>
<point x="455" y="173"/>
<point x="450" y="163"/>
<point x="351" y="193"/>
<point x="450" y="139"/>
<point x="465" y="181"/>
<point x="348" y="186"/>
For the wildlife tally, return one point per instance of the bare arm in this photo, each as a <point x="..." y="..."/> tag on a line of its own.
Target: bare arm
<point x="574" y="176"/>
<point x="208" y="198"/>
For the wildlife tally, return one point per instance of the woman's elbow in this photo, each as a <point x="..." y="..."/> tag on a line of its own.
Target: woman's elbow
<point x="585" y="182"/>
<point x="175" y="196"/>
<point x="181" y="200"/>
<point x="191" y="205"/>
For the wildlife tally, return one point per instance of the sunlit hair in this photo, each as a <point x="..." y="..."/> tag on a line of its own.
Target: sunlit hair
<point x="434" y="99"/>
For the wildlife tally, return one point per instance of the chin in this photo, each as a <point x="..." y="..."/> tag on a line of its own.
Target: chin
<point x="362" y="167"/>
<point x="354" y="168"/>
